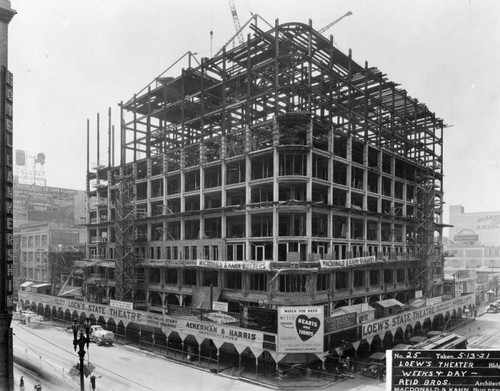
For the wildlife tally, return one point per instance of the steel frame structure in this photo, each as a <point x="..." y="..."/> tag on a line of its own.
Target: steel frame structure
<point x="285" y="82"/>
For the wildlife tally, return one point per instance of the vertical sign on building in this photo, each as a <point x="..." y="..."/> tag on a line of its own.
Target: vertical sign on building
<point x="8" y="153"/>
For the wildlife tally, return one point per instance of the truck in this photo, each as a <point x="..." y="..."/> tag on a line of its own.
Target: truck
<point x="101" y="336"/>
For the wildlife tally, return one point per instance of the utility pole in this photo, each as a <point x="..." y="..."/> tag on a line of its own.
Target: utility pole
<point x="6" y="204"/>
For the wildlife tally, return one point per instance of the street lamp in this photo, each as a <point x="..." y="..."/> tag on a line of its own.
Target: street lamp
<point x="81" y="341"/>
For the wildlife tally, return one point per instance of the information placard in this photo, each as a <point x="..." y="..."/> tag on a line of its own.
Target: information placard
<point x="444" y="370"/>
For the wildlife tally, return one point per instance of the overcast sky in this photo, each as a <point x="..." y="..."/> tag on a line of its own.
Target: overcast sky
<point x="73" y="59"/>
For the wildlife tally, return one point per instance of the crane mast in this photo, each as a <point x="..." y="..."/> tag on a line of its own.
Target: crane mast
<point x="348" y="13"/>
<point x="236" y="21"/>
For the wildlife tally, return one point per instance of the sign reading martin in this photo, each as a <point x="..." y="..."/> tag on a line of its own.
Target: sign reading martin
<point x="300" y="329"/>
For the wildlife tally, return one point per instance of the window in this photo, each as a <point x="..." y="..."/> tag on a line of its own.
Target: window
<point x="189" y="277"/>
<point x="258" y="282"/>
<point x="323" y="282"/>
<point x="292" y="224"/>
<point x="292" y="283"/>
<point x="341" y="279"/>
<point x="262" y="167"/>
<point x="374" y="277"/>
<point x="359" y="278"/>
<point x="293" y="164"/>
<point x="233" y="280"/>
<point x="210" y="277"/>
<point x="262" y="225"/>
<point x="388" y="276"/>
<point x="154" y="275"/>
<point x="339" y="227"/>
<point x="235" y="252"/>
<point x="319" y="225"/>
<point x="235" y="227"/>
<point x="171" y="276"/>
<point x="400" y="275"/>
<point x="357" y="229"/>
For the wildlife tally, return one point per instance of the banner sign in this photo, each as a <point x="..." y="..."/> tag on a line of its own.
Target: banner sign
<point x="434" y="300"/>
<point x="121" y="304"/>
<point x="300" y="329"/>
<point x="236" y="265"/>
<point x="337" y="263"/>
<point x="220" y="333"/>
<point x="417" y="303"/>
<point x="403" y="319"/>
<point x="220" y="306"/>
<point x="263" y="319"/>
<point x="341" y="322"/>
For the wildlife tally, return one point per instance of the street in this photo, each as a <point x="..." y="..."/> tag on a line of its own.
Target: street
<point x="483" y="332"/>
<point x="127" y="368"/>
<point x="118" y="368"/>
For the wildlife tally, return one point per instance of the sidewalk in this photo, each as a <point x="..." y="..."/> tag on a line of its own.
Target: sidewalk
<point x="30" y="379"/>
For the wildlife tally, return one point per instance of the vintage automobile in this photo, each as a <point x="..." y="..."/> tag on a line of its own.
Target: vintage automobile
<point x="376" y="367"/>
<point x="493" y="308"/>
<point x="101" y="336"/>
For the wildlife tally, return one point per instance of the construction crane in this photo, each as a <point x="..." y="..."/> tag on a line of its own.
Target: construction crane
<point x="254" y="18"/>
<point x="236" y="21"/>
<point x="348" y="13"/>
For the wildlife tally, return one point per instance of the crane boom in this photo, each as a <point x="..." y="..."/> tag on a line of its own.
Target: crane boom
<point x="348" y="13"/>
<point x="236" y="21"/>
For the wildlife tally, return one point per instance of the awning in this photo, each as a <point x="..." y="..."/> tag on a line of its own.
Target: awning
<point x="40" y="285"/>
<point x="379" y="356"/>
<point x="26" y="284"/>
<point x="76" y="291"/>
<point x="106" y="263"/>
<point x="388" y="303"/>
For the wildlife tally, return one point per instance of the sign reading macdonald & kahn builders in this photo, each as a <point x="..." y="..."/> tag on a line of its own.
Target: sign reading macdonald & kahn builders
<point x="336" y="263"/>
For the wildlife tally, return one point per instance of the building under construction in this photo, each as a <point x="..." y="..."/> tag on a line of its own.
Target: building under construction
<point x="278" y="173"/>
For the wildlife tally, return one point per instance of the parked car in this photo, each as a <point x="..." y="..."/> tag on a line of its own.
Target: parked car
<point x="101" y="336"/>
<point x="493" y="308"/>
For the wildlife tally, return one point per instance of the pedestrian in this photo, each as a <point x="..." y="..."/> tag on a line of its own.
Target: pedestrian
<point x="21" y="384"/>
<point x="381" y="373"/>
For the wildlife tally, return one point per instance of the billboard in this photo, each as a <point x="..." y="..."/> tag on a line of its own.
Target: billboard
<point x="300" y="329"/>
<point x="43" y="203"/>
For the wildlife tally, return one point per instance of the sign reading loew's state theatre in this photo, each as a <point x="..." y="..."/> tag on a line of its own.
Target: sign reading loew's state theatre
<point x="403" y="319"/>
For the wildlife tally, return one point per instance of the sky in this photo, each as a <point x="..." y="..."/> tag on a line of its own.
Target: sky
<point x="73" y="59"/>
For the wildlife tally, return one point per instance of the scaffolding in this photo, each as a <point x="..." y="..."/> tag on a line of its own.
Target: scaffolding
<point x="125" y="272"/>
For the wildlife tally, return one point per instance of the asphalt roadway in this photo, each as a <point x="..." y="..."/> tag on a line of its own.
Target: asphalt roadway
<point x="127" y="368"/>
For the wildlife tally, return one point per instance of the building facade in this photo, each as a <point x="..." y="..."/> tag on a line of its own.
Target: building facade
<point x="477" y="228"/>
<point x="6" y="202"/>
<point x="48" y="203"/>
<point x="474" y="243"/>
<point x="279" y="173"/>
<point x="40" y="244"/>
